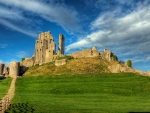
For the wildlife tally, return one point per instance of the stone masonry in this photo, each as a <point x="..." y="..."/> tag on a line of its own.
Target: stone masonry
<point x="106" y="55"/>
<point x="45" y="50"/>
<point x="13" y="69"/>
<point x="2" y="68"/>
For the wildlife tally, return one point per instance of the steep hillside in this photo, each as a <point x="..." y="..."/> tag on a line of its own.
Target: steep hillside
<point x="73" y="66"/>
<point x="78" y="66"/>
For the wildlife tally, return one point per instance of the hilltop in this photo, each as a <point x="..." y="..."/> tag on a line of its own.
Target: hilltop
<point x="92" y="65"/>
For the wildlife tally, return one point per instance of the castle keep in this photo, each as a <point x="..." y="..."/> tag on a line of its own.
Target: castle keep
<point x="45" y="50"/>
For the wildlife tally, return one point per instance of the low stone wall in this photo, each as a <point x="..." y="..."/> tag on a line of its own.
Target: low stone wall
<point x="116" y="68"/>
<point x="4" y="104"/>
<point x="28" y="62"/>
<point x="60" y="62"/>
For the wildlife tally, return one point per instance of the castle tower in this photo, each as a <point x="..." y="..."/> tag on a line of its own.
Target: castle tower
<point x="45" y="48"/>
<point x="61" y="44"/>
<point x="14" y="68"/>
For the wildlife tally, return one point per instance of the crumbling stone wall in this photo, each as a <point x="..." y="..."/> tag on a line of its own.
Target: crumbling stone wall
<point x="28" y="62"/>
<point x="86" y="53"/>
<point x="60" y="62"/>
<point x="2" y="68"/>
<point x="107" y="55"/>
<point x="13" y="69"/>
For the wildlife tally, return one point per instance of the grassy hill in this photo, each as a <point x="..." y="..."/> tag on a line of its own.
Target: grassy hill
<point x="90" y="93"/>
<point x="4" y="86"/>
<point x="73" y="66"/>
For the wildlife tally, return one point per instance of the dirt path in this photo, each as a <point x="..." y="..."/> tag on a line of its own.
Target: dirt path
<point x="11" y="90"/>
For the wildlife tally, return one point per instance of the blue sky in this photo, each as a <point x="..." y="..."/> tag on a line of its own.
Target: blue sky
<point x="122" y="26"/>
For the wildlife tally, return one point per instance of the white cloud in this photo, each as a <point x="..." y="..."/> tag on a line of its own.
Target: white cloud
<point x="129" y="33"/>
<point x="17" y="28"/>
<point x="22" y="54"/>
<point x="3" y="45"/>
<point x="60" y="14"/>
<point x="148" y="58"/>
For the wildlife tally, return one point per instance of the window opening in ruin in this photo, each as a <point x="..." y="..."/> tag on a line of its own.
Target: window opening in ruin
<point x="37" y="41"/>
<point x="50" y="41"/>
<point x="40" y="49"/>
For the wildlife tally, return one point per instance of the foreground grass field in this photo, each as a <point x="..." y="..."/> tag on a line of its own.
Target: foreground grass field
<point x="83" y="93"/>
<point x="4" y="86"/>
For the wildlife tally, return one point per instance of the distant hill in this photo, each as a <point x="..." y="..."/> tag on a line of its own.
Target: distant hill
<point x="80" y="66"/>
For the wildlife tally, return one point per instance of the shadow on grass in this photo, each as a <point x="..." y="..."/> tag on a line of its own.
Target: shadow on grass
<point x="20" y="108"/>
<point x="2" y="77"/>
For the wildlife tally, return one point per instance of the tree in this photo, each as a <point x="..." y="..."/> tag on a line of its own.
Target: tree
<point x="129" y="63"/>
<point x="121" y="62"/>
<point x="115" y="58"/>
<point x="23" y="59"/>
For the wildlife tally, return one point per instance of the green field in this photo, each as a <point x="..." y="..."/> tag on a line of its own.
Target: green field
<point x="4" y="86"/>
<point x="101" y="93"/>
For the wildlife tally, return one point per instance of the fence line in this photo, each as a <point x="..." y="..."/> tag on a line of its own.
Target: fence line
<point x="4" y="104"/>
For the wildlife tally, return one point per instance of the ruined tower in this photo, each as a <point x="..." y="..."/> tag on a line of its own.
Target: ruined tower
<point x="61" y="44"/>
<point x="13" y="69"/>
<point x="45" y="48"/>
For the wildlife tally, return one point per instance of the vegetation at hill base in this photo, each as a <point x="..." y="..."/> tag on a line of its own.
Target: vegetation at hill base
<point x="85" y="93"/>
<point x="4" y="86"/>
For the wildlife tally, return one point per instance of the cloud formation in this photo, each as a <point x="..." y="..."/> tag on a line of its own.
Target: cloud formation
<point x="127" y="34"/>
<point x="57" y="13"/>
<point x="23" y="54"/>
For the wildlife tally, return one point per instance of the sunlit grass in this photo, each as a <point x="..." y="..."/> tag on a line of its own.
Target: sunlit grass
<point x="97" y="93"/>
<point x="4" y="86"/>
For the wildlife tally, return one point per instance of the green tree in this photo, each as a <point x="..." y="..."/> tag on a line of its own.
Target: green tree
<point x="115" y="58"/>
<point x="23" y="59"/>
<point x="129" y="63"/>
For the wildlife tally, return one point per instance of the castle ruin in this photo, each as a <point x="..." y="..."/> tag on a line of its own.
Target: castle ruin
<point x="45" y="50"/>
<point x="106" y="55"/>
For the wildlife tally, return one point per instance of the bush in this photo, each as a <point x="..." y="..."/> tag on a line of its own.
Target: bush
<point x="115" y="58"/>
<point x="121" y="62"/>
<point x="64" y="57"/>
<point x="23" y="59"/>
<point x="129" y="63"/>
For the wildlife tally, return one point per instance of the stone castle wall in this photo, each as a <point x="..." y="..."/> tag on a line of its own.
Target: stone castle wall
<point x="86" y="53"/>
<point x="14" y="68"/>
<point x="2" y="68"/>
<point x="106" y="55"/>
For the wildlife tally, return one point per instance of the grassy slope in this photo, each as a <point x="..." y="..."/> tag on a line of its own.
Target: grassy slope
<point x="84" y="93"/>
<point x="4" y="86"/>
<point x="74" y="66"/>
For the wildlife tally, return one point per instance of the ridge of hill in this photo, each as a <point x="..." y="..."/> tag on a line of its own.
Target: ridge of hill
<point x="80" y="66"/>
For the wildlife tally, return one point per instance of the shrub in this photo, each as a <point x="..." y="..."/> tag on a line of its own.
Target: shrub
<point x="129" y="63"/>
<point x="23" y="59"/>
<point x="115" y="58"/>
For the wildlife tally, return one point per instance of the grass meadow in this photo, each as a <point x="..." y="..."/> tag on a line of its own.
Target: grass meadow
<point x="4" y="86"/>
<point x="103" y="93"/>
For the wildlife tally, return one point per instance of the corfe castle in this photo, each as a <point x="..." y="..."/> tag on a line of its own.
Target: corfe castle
<point x="45" y="51"/>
